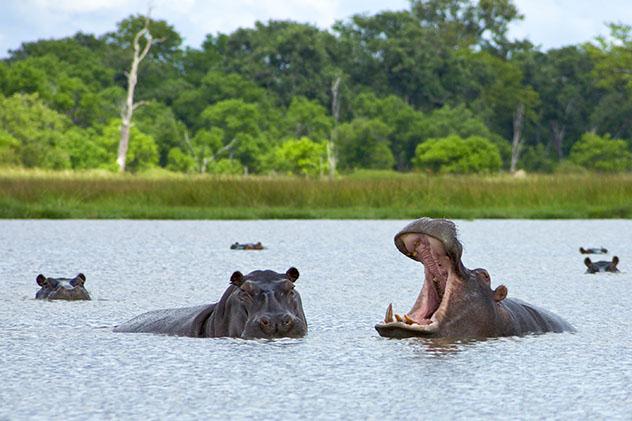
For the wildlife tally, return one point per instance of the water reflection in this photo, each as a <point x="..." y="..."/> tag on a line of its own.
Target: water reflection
<point x="442" y="347"/>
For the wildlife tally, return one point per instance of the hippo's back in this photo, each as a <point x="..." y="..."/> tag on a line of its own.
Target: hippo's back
<point x="527" y="318"/>
<point x="186" y="321"/>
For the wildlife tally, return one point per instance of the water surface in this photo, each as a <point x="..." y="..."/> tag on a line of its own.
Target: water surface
<point x="61" y="360"/>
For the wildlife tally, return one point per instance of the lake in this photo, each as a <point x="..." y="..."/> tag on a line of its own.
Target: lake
<point x="61" y="360"/>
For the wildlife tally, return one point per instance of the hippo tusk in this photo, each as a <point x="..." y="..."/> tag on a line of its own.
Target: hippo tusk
<point x="408" y="320"/>
<point x="388" y="318"/>
<point x="398" y="318"/>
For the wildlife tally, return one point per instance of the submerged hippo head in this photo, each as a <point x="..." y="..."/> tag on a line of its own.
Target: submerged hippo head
<point x="62" y="288"/>
<point x="602" y="265"/>
<point x="599" y="250"/>
<point x="262" y="304"/>
<point x="454" y="301"/>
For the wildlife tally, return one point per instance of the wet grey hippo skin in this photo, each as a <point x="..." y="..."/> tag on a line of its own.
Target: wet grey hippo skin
<point x="62" y="288"/>
<point x="261" y="304"/>
<point x="602" y="265"/>
<point x="457" y="302"/>
<point x="599" y="250"/>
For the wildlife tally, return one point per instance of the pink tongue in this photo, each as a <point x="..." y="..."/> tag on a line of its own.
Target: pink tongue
<point x="426" y="304"/>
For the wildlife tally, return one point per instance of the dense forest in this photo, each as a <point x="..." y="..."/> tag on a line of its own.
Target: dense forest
<point x="437" y="88"/>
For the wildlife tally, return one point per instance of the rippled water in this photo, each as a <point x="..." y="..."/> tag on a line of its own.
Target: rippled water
<point x="61" y="360"/>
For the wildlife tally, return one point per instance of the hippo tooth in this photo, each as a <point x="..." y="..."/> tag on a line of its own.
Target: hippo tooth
<point x="408" y="320"/>
<point x="388" y="318"/>
<point x="398" y="318"/>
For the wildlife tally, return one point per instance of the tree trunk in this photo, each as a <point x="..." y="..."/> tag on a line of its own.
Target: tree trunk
<point x="516" y="144"/>
<point x="130" y="106"/>
<point x="558" y="138"/>
<point x="335" y="112"/>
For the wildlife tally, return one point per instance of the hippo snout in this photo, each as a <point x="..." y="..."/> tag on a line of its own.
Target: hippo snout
<point x="276" y="326"/>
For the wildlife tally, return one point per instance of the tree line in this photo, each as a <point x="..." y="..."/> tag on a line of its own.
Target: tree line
<point x="438" y="87"/>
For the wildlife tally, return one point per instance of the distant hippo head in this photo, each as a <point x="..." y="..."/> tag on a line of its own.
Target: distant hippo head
<point x="62" y="288"/>
<point x="454" y="301"/>
<point x="262" y="304"/>
<point x="602" y="265"/>
<point x="594" y="250"/>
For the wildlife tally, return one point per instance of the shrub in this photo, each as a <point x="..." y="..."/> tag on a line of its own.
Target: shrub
<point x="454" y="154"/>
<point x="601" y="153"/>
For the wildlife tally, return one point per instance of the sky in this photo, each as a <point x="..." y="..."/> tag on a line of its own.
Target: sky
<point x="547" y="23"/>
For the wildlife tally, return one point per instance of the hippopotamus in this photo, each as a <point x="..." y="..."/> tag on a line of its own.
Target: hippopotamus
<point x="599" y="250"/>
<point x="261" y="304"/>
<point x="457" y="302"/>
<point x="602" y="265"/>
<point x="62" y="288"/>
<point x="247" y="246"/>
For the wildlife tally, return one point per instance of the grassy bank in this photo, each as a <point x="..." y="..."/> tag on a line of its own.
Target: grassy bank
<point x="27" y="194"/>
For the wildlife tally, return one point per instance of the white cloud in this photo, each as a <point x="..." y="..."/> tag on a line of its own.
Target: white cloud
<point x="556" y="23"/>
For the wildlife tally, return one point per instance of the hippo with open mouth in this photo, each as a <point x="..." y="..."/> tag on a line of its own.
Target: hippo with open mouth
<point x="454" y="301"/>
<point x="62" y="288"/>
<point x="261" y="304"/>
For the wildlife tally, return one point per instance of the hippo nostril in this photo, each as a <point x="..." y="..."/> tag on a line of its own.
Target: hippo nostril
<point x="286" y="321"/>
<point x="264" y="322"/>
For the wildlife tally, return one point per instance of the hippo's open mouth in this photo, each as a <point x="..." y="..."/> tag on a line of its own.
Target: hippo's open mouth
<point x="425" y="315"/>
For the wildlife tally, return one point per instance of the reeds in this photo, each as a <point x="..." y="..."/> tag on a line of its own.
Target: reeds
<point x="32" y="194"/>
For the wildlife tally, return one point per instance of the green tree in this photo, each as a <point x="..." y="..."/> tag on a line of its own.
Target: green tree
<point x="601" y="153"/>
<point x="241" y="128"/>
<point x="299" y="156"/>
<point x="454" y="154"/>
<point x="364" y="143"/>
<point x="613" y="73"/>
<point x="179" y="161"/>
<point x="305" y="118"/>
<point x="85" y="150"/>
<point x="39" y="130"/>
<point x="9" y="147"/>
<point x="405" y="123"/>
<point x="158" y="121"/>
<point x="564" y="81"/>
<point x="141" y="155"/>
<point x="214" y="87"/>
<point x="286" y="58"/>
<point x="460" y="121"/>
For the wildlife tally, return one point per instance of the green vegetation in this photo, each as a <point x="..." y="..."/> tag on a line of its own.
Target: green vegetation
<point x="398" y="90"/>
<point x="413" y="112"/>
<point x="374" y="195"/>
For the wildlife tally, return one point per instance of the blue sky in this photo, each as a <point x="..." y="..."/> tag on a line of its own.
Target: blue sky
<point x="547" y="23"/>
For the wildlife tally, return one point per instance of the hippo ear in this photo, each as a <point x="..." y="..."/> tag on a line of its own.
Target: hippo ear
<point x="587" y="262"/>
<point x="80" y="278"/>
<point x="237" y="278"/>
<point x="292" y="274"/>
<point x="615" y="261"/>
<point x="500" y="293"/>
<point x="41" y="280"/>
<point x="582" y="251"/>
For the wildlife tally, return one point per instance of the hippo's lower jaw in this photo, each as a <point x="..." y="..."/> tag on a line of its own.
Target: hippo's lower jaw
<point x="400" y="330"/>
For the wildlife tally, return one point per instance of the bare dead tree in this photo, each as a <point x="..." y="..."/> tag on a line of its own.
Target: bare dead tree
<point x="559" y="131"/>
<point x="335" y="112"/>
<point x="516" y="144"/>
<point x="132" y="78"/>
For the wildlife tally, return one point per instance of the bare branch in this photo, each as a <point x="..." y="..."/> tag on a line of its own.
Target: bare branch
<point x="139" y="104"/>
<point x="225" y="148"/>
